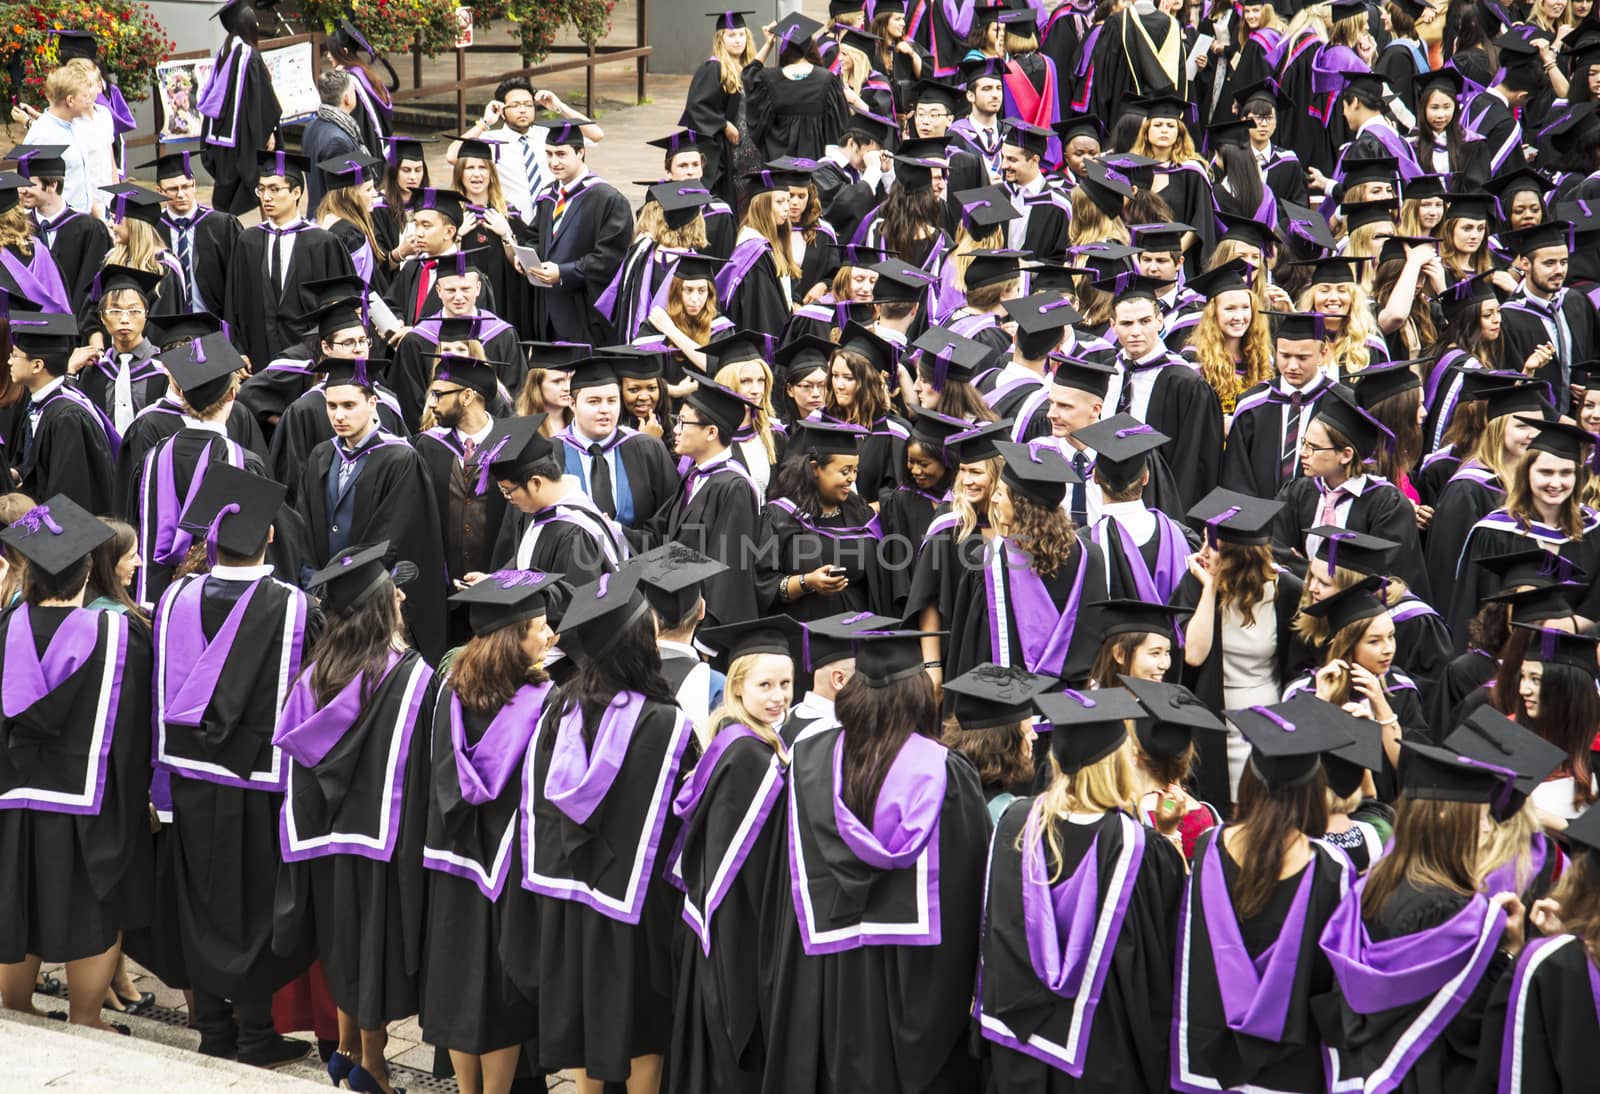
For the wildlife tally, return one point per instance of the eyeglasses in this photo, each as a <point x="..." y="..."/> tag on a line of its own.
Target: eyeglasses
<point x="520" y="104"/>
<point x="812" y="387"/>
<point x="123" y="313"/>
<point x="684" y="422"/>
<point x="352" y="343"/>
<point x="507" y="491"/>
<point x="271" y="191"/>
<point x="1261" y="116"/>
<point x="930" y="115"/>
<point x="1307" y="446"/>
<point x="435" y="394"/>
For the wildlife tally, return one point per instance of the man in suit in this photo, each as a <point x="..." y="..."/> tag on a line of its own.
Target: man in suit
<point x="332" y="134"/>
<point x="581" y="228"/>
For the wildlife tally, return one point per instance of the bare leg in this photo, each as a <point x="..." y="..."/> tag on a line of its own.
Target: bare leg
<point x="587" y="1085"/>
<point x="499" y="1069"/>
<point x="121" y="986"/>
<point x="644" y="1075"/>
<point x="373" y="1061"/>
<point x="17" y="984"/>
<point x="87" y="981"/>
<point x="469" y="1076"/>
<point x="349" y="1037"/>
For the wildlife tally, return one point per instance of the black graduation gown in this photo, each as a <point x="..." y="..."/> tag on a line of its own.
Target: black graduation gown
<point x="883" y="456"/>
<point x="904" y="514"/>
<point x="757" y="301"/>
<point x="1380" y="510"/>
<point x="707" y="108"/>
<point x="1252" y="460"/>
<point x="511" y="292"/>
<point x="1473" y="583"/>
<point x="846" y="200"/>
<point x="69" y="453"/>
<point x="652" y="480"/>
<point x="394" y="502"/>
<point x="1466" y="675"/>
<point x="304" y="425"/>
<point x="442" y="462"/>
<point x="1027" y="1027"/>
<point x="215" y="234"/>
<point x="249" y="114"/>
<point x="147" y="375"/>
<point x="587" y="249"/>
<point x="607" y="938"/>
<point x="797" y="544"/>
<point x="156" y="517"/>
<point x="1522" y="330"/>
<point x="1257" y="1049"/>
<point x="411" y="371"/>
<point x="352" y="881"/>
<point x="793" y="117"/>
<point x="940" y="562"/>
<point x="1546" y="1014"/>
<point x="1186" y="408"/>
<point x="156" y="423"/>
<point x="1462" y="503"/>
<point x="719" y="520"/>
<point x="227" y="777"/>
<point x="78" y="242"/>
<point x="473" y="857"/>
<point x="1435" y="471"/>
<point x="1364" y="1042"/>
<point x="1205" y="680"/>
<point x="261" y="316"/>
<point x="854" y="1009"/>
<point x="1124" y="68"/>
<point x="971" y="644"/>
<point x="736" y="823"/>
<point x="1298" y="128"/>
<point x="79" y="868"/>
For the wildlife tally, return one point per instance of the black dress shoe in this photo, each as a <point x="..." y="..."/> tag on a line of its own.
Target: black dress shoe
<point x="221" y="1048"/>
<point x="275" y="1053"/>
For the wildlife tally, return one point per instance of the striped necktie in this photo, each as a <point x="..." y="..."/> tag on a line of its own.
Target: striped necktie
<point x="560" y="210"/>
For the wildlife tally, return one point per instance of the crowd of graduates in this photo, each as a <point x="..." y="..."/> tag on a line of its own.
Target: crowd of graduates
<point x="1056" y="550"/>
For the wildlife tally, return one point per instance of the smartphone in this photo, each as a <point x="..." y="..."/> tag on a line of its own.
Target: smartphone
<point x="836" y="571"/>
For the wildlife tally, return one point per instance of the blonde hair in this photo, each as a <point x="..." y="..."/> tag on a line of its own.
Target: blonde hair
<point x="496" y="198"/>
<point x="1410" y="222"/>
<point x="1089" y="223"/>
<point x="1508" y="841"/>
<point x="966" y="243"/>
<point x="733" y="710"/>
<point x="1480" y="261"/>
<point x="16" y="230"/>
<point x="1367" y="242"/>
<point x="761" y="419"/>
<point x="1105" y="786"/>
<point x="854" y="67"/>
<point x="1183" y="149"/>
<point x="966" y="515"/>
<point x="1314" y="628"/>
<point x="71" y="79"/>
<point x="142" y="251"/>
<point x="1347" y="32"/>
<point x="652" y="222"/>
<point x="762" y="218"/>
<point x="697" y="327"/>
<point x="1217" y="366"/>
<point x="344" y="204"/>
<point x="1350" y="349"/>
<point x="732" y="65"/>
<point x="1491" y="450"/>
<point x="1314" y="17"/>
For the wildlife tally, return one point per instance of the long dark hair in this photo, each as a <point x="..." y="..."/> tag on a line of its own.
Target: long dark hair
<point x="1399" y="414"/>
<point x="103" y="562"/>
<point x="1269" y="820"/>
<point x="392" y="198"/>
<point x="877" y="722"/>
<point x="1246" y="189"/>
<point x="1435" y="847"/>
<point x="356" y="644"/>
<point x="1454" y="141"/>
<point x="1569" y="716"/>
<point x="491" y="668"/>
<point x="1463" y="330"/>
<point x="797" y="481"/>
<point x="905" y="213"/>
<point x="628" y="661"/>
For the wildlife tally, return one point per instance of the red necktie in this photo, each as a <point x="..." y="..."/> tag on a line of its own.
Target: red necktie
<point x="424" y="287"/>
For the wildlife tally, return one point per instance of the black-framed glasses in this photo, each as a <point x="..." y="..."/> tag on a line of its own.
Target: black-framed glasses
<point x="435" y="394"/>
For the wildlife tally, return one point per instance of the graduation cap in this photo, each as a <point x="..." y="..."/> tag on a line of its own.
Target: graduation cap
<point x="1361" y="214"/>
<point x="403" y="146"/>
<point x="1306" y="225"/>
<point x="1133" y="286"/>
<point x="1577" y="126"/>
<point x="978" y="442"/>
<point x="1137" y="617"/>
<point x="356" y="573"/>
<point x="335" y="315"/>
<point x="57" y="535"/>
<point x="693" y="266"/>
<point x="1334" y="269"/>
<point x="350" y="371"/>
<point x="1525" y="241"/>
<point x="1348" y="9"/>
<point x="346" y="37"/>
<point x="1122" y="445"/>
<point x="1534" y="566"/>
<point x="505" y="598"/>
<point x="168" y="330"/>
<point x="1424" y="186"/>
<point x="934" y="92"/>
<point x="289" y="166"/>
<point x="722" y="406"/>
<point x="776" y="178"/>
<point x="878" y="351"/>
<point x="1558" y="647"/>
<point x="914" y="169"/>
<point x="1104" y="259"/>
<point x="1369" y="88"/>
<point x="1042" y="475"/>
<point x="1358" y="171"/>
<point x="933" y="430"/>
<point x="559" y="356"/>
<point x="1541" y="604"/>
<point x="203" y="369"/>
<point x="1361" y="601"/>
<point x="1040" y="320"/>
<point x="72" y="44"/>
<point x="991" y="696"/>
<point x="804" y="355"/>
<point x="777" y="635"/>
<point x="684" y="140"/>
<point x="233" y="511"/>
<point x="1562" y="439"/>
<point x="899" y="282"/>
<point x="1258" y="234"/>
<point x="1339" y="411"/>
<point x="825" y="641"/>
<point x="1231" y="276"/>
<point x="1287" y="740"/>
<point x="634" y="363"/>
<point x="116" y="278"/>
<point x="38" y="333"/>
<point x="1513" y="182"/>
<point x="34" y="160"/>
<point x="343" y="172"/>
<point x="1231" y="517"/>
<point x="859" y="254"/>
<point x="1160" y="237"/>
<point x="569" y="132"/>
<point x="883" y="657"/>
<point x="825" y="438"/>
<point x="1056" y="277"/>
<point x="1463" y="294"/>
<point x="794" y="29"/>
<point x="671" y="576"/>
<point x="1499" y="400"/>
<point x="1430" y="773"/>
<point x="1140" y="171"/>
<point x="680" y="202"/>
<point x="1342" y="548"/>
<point x="1583" y="832"/>
<point x="512" y="448"/>
<point x="974" y="69"/>
<point x="1229" y="134"/>
<point x="1083" y="375"/>
<point x="729" y="20"/>
<point x="855" y="38"/>
<point x="1447" y="79"/>
<point x="1378" y="382"/>
<point x="1073" y="126"/>
<point x="1469" y="206"/>
<point x="949" y="356"/>
<point x="132" y="202"/>
<point x="837" y="8"/>
<point x="1490" y="737"/>
<point x="986" y="208"/>
<point x="1266" y="90"/>
<point x="595" y="372"/>
<point x="735" y="346"/>
<point x="880" y="129"/>
<point x="1086" y="726"/>
<point x="1030" y="138"/>
<point x="604" y="608"/>
<point x="447" y="203"/>
<point x="468" y="372"/>
<point x="1164" y="105"/>
<point x="993" y="267"/>
<point x="1174" y="713"/>
<point x="1107" y="187"/>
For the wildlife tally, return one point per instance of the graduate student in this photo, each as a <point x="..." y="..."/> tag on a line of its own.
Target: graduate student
<point x="241" y="111"/>
<point x="355" y="730"/>
<point x="1262" y="888"/>
<point x="485" y="713"/>
<point x="128" y="376"/>
<point x="671" y="576"/>
<point x="1146" y="550"/>
<point x="198" y="237"/>
<point x="873" y="968"/>
<point x="229" y="641"/>
<point x="628" y="475"/>
<point x="1080" y="904"/>
<point x="604" y="765"/>
<point x="1269" y="421"/>
<point x="60" y="444"/>
<point x="74" y="812"/>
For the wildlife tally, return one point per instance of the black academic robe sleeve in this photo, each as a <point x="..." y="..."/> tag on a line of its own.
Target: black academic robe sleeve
<point x="214" y="239"/>
<point x="70" y="455"/>
<point x="1546" y="1014"/>
<point x="1250" y="461"/>
<point x="256" y="115"/>
<point x="1186" y="409"/>
<point x="758" y="302"/>
<point x="793" y="549"/>
<point x="721" y="522"/>
<point x="80" y="250"/>
<point x="1461" y="504"/>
